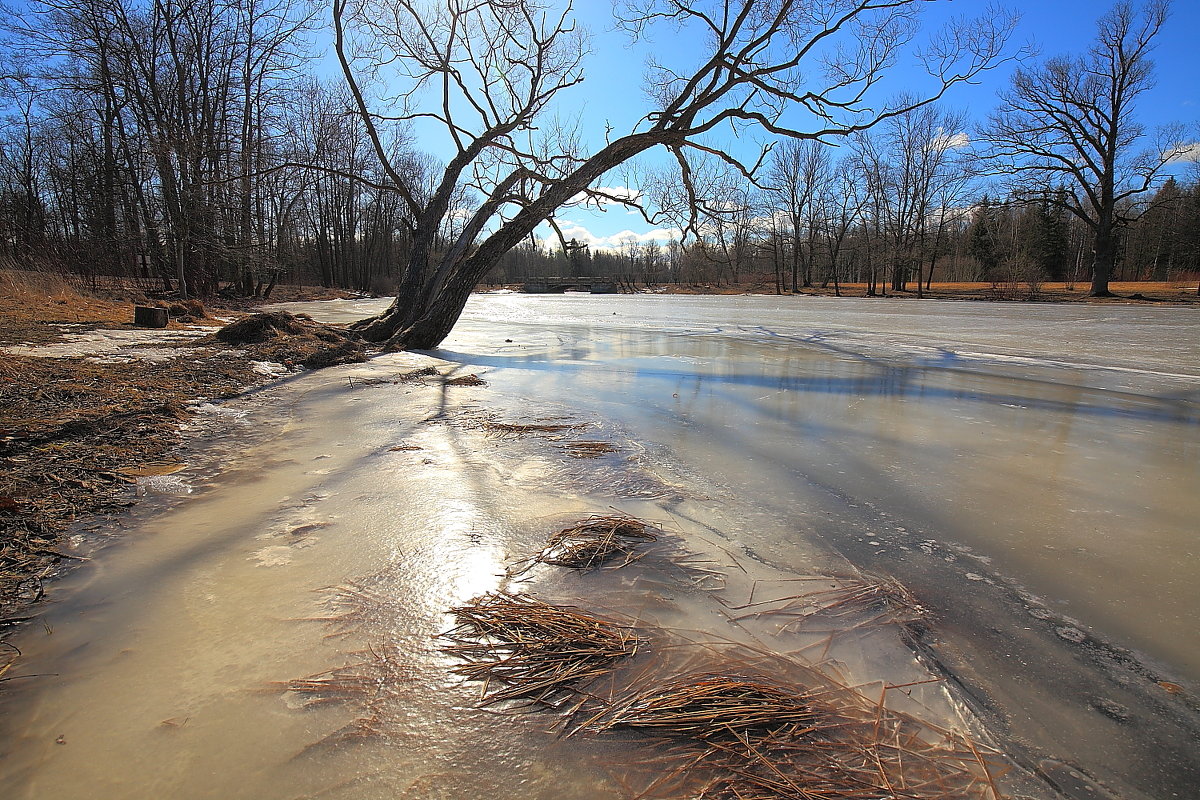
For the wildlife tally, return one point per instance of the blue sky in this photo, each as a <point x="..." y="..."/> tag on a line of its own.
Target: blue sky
<point x="612" y="92"/>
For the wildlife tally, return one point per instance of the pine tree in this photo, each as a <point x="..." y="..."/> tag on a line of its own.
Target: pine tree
<point x="1048" y="240"/>
<point x="982" y="240"/>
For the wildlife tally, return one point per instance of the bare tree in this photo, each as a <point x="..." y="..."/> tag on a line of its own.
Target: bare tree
<point x="798" y="171"/>
<point x="495" y="67"/>
<point x="912" y="162"/>
<point x="841" y="202"/>
<point x="727" y="226"/>
<point x="1069" y="122"/>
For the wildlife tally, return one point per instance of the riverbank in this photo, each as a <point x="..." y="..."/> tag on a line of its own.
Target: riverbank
<point x="225" y="634"/>
<point x="93" y="407"/>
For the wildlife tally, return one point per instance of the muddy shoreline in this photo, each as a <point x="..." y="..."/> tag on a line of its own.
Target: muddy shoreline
<point x="79" y="432"/>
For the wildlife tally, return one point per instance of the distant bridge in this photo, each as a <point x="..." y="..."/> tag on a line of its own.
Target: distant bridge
<point x="558" y="285"/>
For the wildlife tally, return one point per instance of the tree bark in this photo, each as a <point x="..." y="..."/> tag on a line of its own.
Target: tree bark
<point x="1105" y="254"/>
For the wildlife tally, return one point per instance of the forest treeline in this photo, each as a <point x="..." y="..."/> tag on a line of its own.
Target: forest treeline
<point x="191" y="146"/>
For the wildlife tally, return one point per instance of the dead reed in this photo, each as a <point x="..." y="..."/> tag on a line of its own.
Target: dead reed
<point x="72" y="433"/>
<point x="374" y="678"/>
<point x="715" y="706"/>
<point x="588" y="449"/>
<point x="520" y="647"/>
<point x="466" y="380"/>
<point x="886" y="601"/>
<point x="526" y="428"/>
<point x="372" y="686"/>
<point x="590" y="543"/>
<point x="353" y="604"/>
<point x="730" y="736"/>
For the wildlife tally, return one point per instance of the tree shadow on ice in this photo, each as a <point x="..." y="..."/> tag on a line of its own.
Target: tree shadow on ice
<point x="884" y="380"/>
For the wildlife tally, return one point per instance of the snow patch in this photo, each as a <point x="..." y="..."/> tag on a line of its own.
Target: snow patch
<point x="268" y="368"/>
<point x="163" y="484"/>
<point x="113" y="346"/>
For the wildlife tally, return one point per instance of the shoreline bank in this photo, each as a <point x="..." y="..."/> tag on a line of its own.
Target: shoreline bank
<point x="93" y="407"/>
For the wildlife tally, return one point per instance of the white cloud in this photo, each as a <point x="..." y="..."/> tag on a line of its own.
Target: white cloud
<point x="573" y="230"/>
<point x="950" y="141"/>
<point x="618" y="193"/>
<point x="1184" y="152"/>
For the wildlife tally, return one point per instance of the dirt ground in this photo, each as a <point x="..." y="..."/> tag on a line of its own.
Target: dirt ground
<point x="76" y="432"/>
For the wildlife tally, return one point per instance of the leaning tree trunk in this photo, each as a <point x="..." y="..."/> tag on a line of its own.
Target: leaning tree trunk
<point x="382" y="327"/>
<point x="422" y="317"/>
<point x="438" y="320"/>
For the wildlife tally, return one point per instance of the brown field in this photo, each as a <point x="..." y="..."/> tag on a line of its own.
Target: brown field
<point x="33" y="306"/>
<point x="1125" y="291"/>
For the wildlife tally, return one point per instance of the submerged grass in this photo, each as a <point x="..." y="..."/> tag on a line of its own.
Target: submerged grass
<point x="731" y="732"/>
<point x="588" y="448"/>
<point x="702" y="718"/>
<point x="372" y="684"/>
<point x="520" y="647"/>
<point x="595" y="541"/>
<point x="715" y="707"/>
<point x="872" y="599"/>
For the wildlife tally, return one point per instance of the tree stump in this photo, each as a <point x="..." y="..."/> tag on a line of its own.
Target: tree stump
<point x="149" y="317"/>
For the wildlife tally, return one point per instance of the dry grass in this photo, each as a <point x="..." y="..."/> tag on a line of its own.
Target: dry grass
<point x="704" y="717"/>
<point x="504" y="429"/>
<point x="424" y="375"/>
<point x="32" y="306"/>
<point x="552" y="427"/>
<point x="71" y="435"/>
<point x="736" y="735"/>
<point x="593" y="542"/>
<point x="715" y="707"/>
<point x="466" y="380"/>
<point x="520" y="647"/>
<point x="293" y="340"/>
<point x="588" y="449"/>
<point x="871" y="599"/>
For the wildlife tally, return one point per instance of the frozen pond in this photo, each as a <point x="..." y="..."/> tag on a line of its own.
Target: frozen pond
<point x="1030" y="472"/>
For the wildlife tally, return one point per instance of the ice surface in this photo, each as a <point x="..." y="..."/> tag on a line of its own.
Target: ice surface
<point x="1025" y="470"/>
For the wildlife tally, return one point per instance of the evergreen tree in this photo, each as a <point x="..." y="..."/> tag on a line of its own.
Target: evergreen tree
<point x="982" y="242"/>
<point x="1048" y="240"/>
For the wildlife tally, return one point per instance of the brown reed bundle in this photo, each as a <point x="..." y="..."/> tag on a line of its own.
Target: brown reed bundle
<point x="854" y="594"/>
<point x="715" y="706"/>
<point x="887" y="600"/>
<point x="526" y="428"/>
<point x="857" y="763"/>
<point x="589" y="543"/>
<point x="728" y="737"/>
<point x="470" y="379"/>
<point x="589" y="448"/>
<point x="534" y="650"/>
